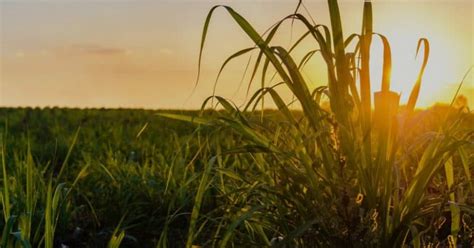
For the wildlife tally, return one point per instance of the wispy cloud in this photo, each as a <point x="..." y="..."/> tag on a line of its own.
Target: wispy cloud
<point x="92" y="49"/>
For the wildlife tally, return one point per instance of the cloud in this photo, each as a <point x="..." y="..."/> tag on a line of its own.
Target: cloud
<point x="92" y="49"/>
<point x="98" y="50"/>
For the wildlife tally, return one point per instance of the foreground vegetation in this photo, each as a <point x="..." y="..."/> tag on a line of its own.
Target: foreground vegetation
<point x="131" y="171"/>
<point x="353" y="174"/>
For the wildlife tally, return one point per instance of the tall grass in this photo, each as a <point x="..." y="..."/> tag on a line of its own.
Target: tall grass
<point x="342" y="177"/>
<point x="78" y="197"/>
<point x="32" y="204"/>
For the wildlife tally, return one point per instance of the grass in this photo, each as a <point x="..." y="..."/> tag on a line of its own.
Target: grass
<point x="335" y="146"/>
<point x="249" y="198"/>
<point x="358" y="173"/>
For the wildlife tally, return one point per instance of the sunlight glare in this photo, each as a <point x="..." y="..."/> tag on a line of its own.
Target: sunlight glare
<point x="405" y="67"/>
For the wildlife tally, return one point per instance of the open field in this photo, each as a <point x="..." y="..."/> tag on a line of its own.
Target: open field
<point x="142" y="173"/>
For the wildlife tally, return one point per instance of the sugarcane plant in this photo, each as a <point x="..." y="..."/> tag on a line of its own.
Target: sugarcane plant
<point x="339" y="176"/>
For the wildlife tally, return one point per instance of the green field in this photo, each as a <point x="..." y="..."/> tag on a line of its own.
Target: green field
<point x="142" y="174"/>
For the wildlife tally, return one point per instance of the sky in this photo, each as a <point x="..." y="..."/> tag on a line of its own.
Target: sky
<point x="143" y="54"/>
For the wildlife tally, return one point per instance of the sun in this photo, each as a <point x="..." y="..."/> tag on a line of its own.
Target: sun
<point x="440" y="72"/>
<point x="447" y="64"/>
<point x="450" y="51"/>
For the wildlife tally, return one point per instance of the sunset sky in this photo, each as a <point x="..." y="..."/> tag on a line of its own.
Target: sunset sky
<point x="132" y="53"/>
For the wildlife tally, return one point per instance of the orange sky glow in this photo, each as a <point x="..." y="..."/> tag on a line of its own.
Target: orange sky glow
<point x="143" y="54"/>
